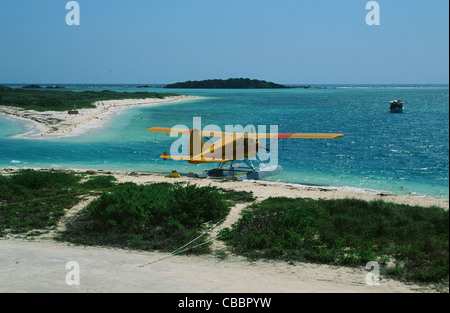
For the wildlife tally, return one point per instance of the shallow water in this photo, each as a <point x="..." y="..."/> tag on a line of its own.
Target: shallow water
<point x="402" y="153"/>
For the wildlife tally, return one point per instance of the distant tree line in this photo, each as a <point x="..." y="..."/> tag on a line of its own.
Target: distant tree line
<point x="62" y="100"/>
<point x="232" y="83"/>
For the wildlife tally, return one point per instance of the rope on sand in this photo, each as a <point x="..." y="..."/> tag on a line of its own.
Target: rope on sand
<point x="184" y="249"/>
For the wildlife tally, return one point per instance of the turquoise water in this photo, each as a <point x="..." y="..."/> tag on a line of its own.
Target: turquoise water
<point x="402" y="153"/>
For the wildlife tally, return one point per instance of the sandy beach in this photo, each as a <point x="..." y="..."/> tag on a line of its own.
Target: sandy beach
<point x="38" y="265"/>
<point x="54" y="124"/>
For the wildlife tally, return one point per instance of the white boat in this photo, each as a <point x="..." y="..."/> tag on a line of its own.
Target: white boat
<point x="396" y="106"/>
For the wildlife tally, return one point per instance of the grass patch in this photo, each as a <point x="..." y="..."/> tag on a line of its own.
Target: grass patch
<point x="160" y="216"/>
<point x="100" y="182"/>
<point x="63" y="100"/>
<point x="32" y="200"/>
<point x="347" y="232"/>
<point x="238" y="196"/>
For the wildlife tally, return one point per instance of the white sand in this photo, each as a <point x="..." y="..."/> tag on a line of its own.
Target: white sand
<point x="53" y="124"/>
<point x="39" y="266"/>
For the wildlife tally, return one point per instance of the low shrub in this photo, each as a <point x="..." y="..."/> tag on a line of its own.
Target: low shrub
<point x="160" y="216"/>
<point x="34" y="200"/>
<point x="347" y="232"/>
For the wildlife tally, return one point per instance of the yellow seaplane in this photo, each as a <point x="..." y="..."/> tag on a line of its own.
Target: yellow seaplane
<point x="232" y="147"/>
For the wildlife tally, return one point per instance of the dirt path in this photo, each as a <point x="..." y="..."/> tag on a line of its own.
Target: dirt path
<point x="68" y="217"/>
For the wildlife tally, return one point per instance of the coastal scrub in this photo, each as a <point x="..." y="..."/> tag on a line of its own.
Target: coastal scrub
<point x="160" y="216"/>
<point x="33" y="201"/>
<point x="62" y="100"/>
<point x="409" y="242"/>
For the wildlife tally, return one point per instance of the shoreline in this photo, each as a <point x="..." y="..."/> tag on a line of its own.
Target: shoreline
<point x="57" y="124"/>
<point x="265" y="189"/>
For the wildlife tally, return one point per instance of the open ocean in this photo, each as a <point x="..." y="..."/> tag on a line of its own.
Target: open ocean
<point x="401" y="153"/>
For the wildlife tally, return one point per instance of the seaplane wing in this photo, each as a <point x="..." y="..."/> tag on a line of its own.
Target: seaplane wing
<point x="166" y="130"/>
<point x="231" y="147"/>
<point x="307" y="136"/>
<point x="216" y="151"/>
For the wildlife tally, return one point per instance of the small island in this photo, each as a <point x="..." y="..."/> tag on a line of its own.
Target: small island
<point x="232" y="83"/>
<point x="32" y="86"/>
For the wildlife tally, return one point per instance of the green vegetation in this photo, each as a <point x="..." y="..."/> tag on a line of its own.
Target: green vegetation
<point x="62" y="100"/>
<point x="413" y="241"/>
<point x="237" y="196"/>
<point x="153" y="217"/>
<point x="99" y="182"/>
<point x="34" y="201"/>
<point x="410" y="243"/>
<point x="158" y="216"/>
<point x="232" y="83"/>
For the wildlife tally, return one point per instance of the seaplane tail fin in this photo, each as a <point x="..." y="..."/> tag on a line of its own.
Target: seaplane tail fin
<point x="196" y="143"/>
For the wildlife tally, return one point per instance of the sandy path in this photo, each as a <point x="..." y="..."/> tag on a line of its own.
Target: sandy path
<point x="68" y="217"/>
<point x="40" y="266"/>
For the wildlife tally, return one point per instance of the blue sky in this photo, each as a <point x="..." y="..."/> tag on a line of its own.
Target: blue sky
<point x="285" y="41"/>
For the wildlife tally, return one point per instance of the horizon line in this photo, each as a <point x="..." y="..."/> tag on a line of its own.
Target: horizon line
<point x="143" y="84"/>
